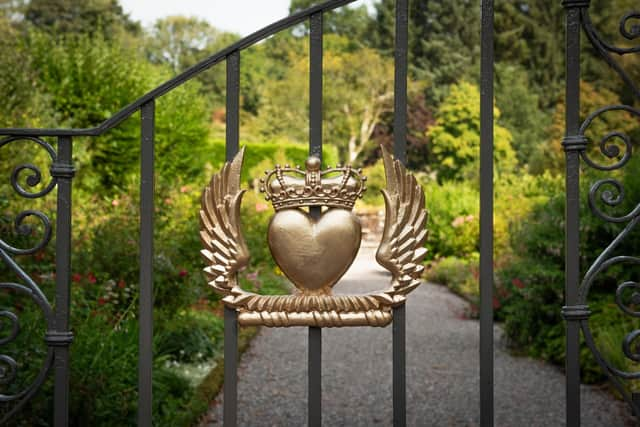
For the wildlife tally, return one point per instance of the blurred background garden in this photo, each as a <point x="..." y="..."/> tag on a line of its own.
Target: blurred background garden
<point x="73" y="64"/>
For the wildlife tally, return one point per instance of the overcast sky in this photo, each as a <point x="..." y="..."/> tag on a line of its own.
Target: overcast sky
<point x="239" y="16"/>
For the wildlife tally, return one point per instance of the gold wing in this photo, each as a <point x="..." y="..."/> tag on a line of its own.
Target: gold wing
<point x="401" y="249"/>
<point x="225" y="249"/>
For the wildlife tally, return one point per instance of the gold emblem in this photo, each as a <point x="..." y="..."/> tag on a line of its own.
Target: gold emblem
<point x="315" y="251"/>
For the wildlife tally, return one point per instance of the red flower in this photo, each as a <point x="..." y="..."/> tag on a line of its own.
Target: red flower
<point x="517" y="283"/>
<point x="121" y="284"/>
<point x="76" y="277"/>
<point x="91" y="278"/>
<point x="102" y="301"/>
<point x="183" y="273"/>
<point x="496" y="303"/>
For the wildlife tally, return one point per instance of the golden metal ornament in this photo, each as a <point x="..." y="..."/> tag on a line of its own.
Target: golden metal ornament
<point x="314" y="252"/>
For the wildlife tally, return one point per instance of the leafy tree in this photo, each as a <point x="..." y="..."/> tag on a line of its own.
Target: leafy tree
<point x="419" y="118"/>
<point x="81" y="17"/>
<point x="444" y="40"/>
<point x="181" y="41"/>
<point x="550" y="155"/>
<point x="89" y="79"/>
<point x="348" y="21"/>
<point x="358" y="90"/>
<point x="456" y="136"/>
<point x="521" y="111"/>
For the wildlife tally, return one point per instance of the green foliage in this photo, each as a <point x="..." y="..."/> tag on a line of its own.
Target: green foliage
<point x="90" y="79"/>
<point x="458" y="274"/>
<point x="455" y="138"/>
<point x="443" y="40"/>
<point x="267" y="154"/>
<point x="358" y="90"/>
<point x="520" y="111"/>
<point x="104" y="17"/>
<point x="453" y="219"/>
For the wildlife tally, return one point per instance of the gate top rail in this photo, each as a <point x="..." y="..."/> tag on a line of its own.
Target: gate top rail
<point x="183" y="77"/>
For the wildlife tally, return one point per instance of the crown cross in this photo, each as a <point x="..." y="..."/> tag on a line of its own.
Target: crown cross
<point x="288" y="187"/>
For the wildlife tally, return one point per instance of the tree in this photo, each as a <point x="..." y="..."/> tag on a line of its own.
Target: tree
<point x="80" y="17"/>
<point x="358" y="89"/>
<point x="419" y="118"/>
<point x="521" y="111"/>
<point x="444" y="40"/>
<point x="87" y="80"/>
<point x="550" y="155"/>
<point x="455" y="138"/>
<point x="181" y="41"/>
<point x="348" y="21"/>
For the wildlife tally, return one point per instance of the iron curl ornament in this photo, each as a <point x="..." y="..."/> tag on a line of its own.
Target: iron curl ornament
<point x="24" y="179"/>
<point x="608" y="193"/>
<point x="314" y="253"/>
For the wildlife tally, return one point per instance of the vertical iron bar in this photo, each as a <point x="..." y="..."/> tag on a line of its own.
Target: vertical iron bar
<point x="486" y="216"/>
<point x="314" y="403"/>
<point x="145" y="362"/>
<point x="63" y="171"/>
<point x="400" y="152"/>
<point x="399" y="362"/>
<point x="230" y="413"/>
<point x="572" y="212"/>
<point x="400" y="81"/>
<point x="233" y="105"/>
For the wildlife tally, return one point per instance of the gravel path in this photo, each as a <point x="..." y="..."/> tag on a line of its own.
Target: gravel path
<point x="442" y="372"/>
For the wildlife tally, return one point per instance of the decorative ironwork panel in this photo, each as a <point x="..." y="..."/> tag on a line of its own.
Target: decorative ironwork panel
<point x="25" y="180"/>
<point x="608" y="154"/>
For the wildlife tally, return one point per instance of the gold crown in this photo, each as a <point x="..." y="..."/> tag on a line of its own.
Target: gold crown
<point x="288" y="187"/>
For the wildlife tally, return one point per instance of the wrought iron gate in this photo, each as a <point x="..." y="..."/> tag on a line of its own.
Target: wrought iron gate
<point x="58" y="337"/>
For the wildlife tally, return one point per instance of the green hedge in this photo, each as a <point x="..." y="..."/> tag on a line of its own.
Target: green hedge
<point x="269" y="154"/>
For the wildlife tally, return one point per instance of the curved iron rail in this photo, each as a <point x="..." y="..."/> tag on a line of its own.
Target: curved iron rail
<point x="185" y="76"/>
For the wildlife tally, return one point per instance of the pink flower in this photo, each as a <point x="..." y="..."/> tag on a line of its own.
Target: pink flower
<point x="261" y="207"/>
<point x="115" y="202"/>
<point x="91" y="278"/>
<point x="184" y="188"/>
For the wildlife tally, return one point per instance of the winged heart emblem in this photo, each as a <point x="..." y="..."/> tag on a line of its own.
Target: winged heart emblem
<point x="314" y="248"/>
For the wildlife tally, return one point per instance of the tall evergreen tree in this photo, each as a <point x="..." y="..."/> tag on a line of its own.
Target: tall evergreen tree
<point x="444" y="38"/>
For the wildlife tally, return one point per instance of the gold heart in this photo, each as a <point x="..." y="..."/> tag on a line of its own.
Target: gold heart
<point x="314" y="254"/>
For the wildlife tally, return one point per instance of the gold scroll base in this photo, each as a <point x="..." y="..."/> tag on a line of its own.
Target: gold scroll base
<point x="323" y="311"/>
<point x="320" y="319"/>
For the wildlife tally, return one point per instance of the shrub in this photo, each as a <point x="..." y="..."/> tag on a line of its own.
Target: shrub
<point x="453" y="219"/>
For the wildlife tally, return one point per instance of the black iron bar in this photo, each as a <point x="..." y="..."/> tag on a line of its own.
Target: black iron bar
<point x="399" y="362"/>
<point x="233" y="106"/>
<point x="232" y="145"/>
<point x="63" y="171"/>
<point x="486" y="216"/>
<point x="400" y="152"/>
<point x="230" y="415"/>
<point x="572" y="210"/>
<point x="188" y="74"/>
<point x="400" y="80"/>
<point x="145" y="362"/>
<point x="314" y="402"/>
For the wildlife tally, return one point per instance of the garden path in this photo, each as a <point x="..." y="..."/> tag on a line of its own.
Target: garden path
<point x="442" y="371"/>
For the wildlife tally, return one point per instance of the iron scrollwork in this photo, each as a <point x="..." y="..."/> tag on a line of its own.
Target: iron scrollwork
<point x="610" y="193"/>
<point x="28" y="287"/>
